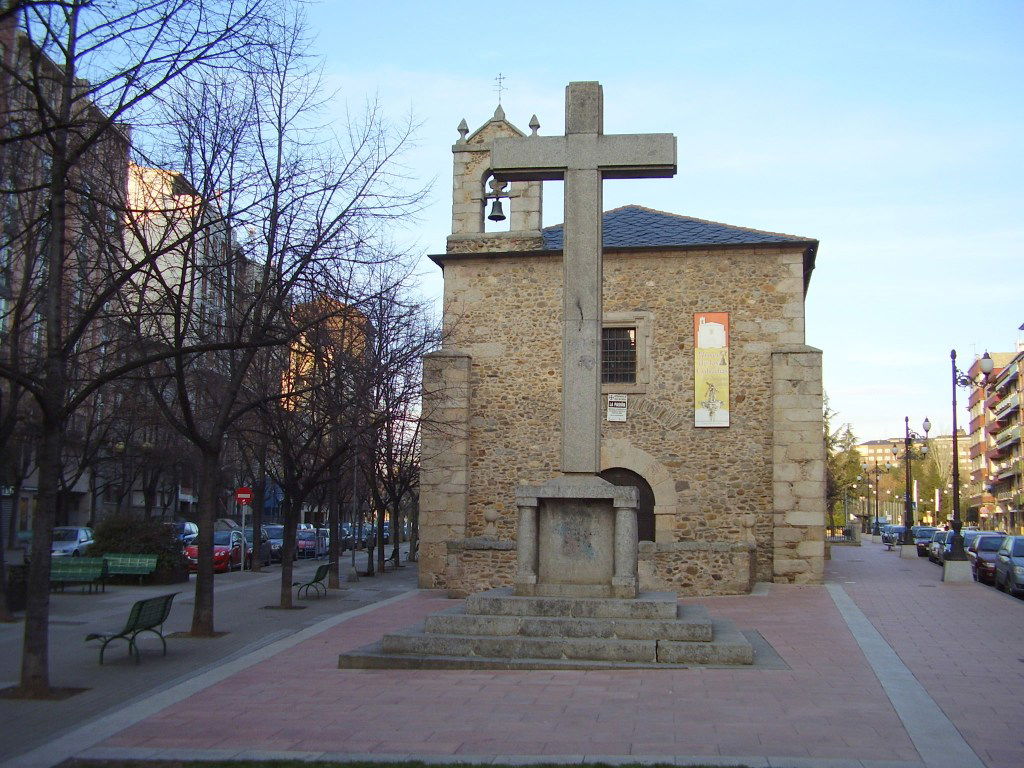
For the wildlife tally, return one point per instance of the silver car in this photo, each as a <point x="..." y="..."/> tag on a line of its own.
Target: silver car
<point x="1010" y="565"/>
<point x="70" y="541"/>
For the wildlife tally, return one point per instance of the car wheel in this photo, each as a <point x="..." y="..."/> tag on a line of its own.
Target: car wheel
<point x="75" y="553"/>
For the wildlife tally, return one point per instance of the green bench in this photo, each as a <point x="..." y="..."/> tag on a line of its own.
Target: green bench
<point x="88" y="571"/>
<point x="316" y="582"/>
<point x="146" y="615"/>
<point x="120" y="564"/>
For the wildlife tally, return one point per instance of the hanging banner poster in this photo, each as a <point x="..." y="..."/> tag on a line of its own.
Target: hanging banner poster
<point x="711" y="369"/>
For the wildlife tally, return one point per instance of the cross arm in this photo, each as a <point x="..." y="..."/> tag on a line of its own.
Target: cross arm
<point x="618" y="156"/>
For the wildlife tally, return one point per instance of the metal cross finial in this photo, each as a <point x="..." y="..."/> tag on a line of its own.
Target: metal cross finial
<point x="500" y="85"/>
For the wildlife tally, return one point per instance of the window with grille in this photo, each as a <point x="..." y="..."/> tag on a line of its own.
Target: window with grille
<point x="618" y="355"/>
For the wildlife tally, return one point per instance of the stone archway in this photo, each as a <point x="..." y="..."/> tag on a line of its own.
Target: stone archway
<point x="645" y="512"/>
<point x="619" y="452"/>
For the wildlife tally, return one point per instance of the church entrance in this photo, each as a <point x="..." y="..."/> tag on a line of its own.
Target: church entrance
<point x="645" y="513"/>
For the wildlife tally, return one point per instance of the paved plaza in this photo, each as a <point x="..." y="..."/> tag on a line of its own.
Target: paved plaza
<point x="884" y="665"/>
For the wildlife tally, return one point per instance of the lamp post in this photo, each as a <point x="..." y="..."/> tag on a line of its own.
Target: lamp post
<point x="907" y="538"/>
<point x="875" y="469"/>
<point x="963" y="380"/>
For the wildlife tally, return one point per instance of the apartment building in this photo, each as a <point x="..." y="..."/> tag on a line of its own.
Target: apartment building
<point x="995" y="443"/>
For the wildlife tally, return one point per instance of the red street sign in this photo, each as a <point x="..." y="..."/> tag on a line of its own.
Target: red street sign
<point x="243" y="495"/>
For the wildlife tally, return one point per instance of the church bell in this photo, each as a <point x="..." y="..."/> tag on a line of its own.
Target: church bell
<point x="496" y="214"/>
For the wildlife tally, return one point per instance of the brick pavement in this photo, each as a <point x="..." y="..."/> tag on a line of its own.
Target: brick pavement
<point x="828" y="706"/>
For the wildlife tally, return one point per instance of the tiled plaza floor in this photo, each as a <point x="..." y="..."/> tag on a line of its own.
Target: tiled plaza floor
<point x="829" y="704"/>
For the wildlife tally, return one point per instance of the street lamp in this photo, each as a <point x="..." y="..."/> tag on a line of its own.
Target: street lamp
<point x="963" y="380"/>
<point x="906" y="538"/>
<point x="864" y="466"/>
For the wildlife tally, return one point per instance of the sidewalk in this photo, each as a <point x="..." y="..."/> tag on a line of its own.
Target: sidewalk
<point x="834" y="706"/>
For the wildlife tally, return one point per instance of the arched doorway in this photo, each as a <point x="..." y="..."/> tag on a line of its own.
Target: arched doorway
<point x="645" y="513"/>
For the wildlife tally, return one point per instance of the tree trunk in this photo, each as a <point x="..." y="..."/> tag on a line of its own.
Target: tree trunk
<point x="35" y="671"/>
<point x="258" y="492"/>
<point x="380" y="540"/>
<point x="334" y="547"/>
<point x="209" y="487"/>
<point x="291" y="520"/>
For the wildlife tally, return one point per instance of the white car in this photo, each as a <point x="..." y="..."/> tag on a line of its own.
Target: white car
<point x="70" y="541"/>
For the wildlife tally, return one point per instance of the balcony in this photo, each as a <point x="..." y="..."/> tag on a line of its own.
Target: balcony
<point x="1008" y="406"/>
<point x="1008" y="436"/>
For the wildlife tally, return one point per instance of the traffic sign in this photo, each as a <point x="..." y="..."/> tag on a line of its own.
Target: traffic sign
<point x="243" y="495"/>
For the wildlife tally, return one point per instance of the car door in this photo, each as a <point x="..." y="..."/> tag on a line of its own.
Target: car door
<point x="1003" y="562"/>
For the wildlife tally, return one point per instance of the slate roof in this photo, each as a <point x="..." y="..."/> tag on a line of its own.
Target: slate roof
<point x="633" y="226"/>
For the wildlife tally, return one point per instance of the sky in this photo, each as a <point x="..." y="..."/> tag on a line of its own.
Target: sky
<point x="889" y="131"/>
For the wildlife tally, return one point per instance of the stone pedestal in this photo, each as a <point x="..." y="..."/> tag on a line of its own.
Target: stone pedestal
<point x="576" y="538"/>
<point x="907" y="550"/>
<point x="876" y="538"/>
<point x="957" y="571"/>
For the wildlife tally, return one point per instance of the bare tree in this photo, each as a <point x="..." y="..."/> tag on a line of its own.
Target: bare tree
<point x="311" y="206"/>
<point x="73" y="72"/>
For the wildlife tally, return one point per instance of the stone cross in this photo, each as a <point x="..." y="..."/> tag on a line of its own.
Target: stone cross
<point x="583" y="158"/>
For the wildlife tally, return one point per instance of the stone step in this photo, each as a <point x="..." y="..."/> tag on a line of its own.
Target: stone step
<point x="413" y="643"/>
<point x="501" y="602"/>
<point x="694" y="625"/>
<point x="728" y="647"/>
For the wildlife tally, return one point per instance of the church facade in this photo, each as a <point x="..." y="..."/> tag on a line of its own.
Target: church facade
<point x="714" y="401"/>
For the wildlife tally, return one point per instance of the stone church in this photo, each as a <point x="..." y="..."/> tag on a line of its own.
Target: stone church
<point x="714" y="401"/>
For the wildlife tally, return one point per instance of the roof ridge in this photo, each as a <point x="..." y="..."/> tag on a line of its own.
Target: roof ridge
<point x="682" y="217"/>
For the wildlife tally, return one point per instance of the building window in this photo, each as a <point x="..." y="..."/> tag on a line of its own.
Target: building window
<point x="626" y="352"/>
<point x="618" y="355"/>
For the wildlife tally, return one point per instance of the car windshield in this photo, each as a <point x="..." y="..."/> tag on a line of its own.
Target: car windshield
<point x="305" y="535"/>
<point x="925" y="533"/>
<point x="989" y="543"/>
<point x="275" y="531"/>
<point x="66" y="534"/>
<point x="1018" y="548"/>
<point x="222" y="538"/>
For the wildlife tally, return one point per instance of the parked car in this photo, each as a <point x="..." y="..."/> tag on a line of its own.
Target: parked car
<point x="264" y="546"/>
<point x="1010" y="565"/>
<point x="938" y="539"/>
<point x="309" y="543"/>
<point x="982" y="553"/>
<point x="275" y="533"/>
<point x="922" y="538"/>
<point x="227" y="552"/>
<point x="891" y="534"/>
<point x="347" y="537"/>
<point x="185" y="530"/>
<point x="967" y="534"/>
<point x="70" y="541"/>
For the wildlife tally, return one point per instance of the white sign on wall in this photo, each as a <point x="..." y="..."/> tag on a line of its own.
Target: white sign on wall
<point x="616" y="407"/>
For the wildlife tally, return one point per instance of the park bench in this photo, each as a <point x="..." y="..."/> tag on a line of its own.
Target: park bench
<point x="317" y="581"/>
<point x="147" y="615"/>
<point x="121" y="564"/>
<point x="88" y="571"/>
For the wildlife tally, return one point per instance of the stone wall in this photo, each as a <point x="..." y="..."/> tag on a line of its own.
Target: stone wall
<point x="697" y="568"/>
<point x="713" y="486"/>
<point x="799" y="465"/>
<point x="444" y="472"/>
<point x="478" y="564"/>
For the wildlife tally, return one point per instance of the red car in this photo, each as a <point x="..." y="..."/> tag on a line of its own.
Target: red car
<point x="982" y="552"/>
<point x="227" y="552"/>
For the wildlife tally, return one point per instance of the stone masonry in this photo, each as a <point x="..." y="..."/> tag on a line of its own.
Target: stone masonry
<point x="732" y="505"/>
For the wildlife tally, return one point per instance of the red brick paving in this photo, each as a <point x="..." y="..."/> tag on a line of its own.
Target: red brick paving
<point x="829" y="704"/>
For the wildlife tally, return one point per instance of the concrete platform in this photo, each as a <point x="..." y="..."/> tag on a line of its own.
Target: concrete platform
<point x="529" y="632"/>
